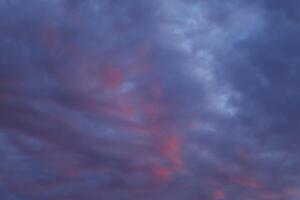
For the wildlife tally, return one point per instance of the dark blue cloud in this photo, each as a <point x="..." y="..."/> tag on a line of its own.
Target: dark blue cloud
<point x="149" y="100"/>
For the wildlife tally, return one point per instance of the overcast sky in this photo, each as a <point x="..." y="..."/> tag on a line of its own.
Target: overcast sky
<point x="149" y="100"/>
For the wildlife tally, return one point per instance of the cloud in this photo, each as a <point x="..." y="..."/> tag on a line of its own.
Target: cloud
<point x="149" y="100"/>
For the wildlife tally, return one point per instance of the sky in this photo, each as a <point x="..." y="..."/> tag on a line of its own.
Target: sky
<point x="149" y="100"/>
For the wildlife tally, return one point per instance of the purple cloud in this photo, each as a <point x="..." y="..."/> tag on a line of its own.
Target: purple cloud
<point x="149" y="100"/>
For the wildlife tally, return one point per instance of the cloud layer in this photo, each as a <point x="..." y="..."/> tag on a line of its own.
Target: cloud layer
<point x="179" y="99"/>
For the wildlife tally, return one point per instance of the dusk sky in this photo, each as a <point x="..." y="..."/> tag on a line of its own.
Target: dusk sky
<point x="149" y="100"/>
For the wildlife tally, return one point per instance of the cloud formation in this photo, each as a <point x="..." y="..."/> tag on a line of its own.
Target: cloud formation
<point x="179" y="99"/>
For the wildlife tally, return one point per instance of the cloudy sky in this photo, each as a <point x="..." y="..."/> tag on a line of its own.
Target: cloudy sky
<point x="149" y="100"/>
